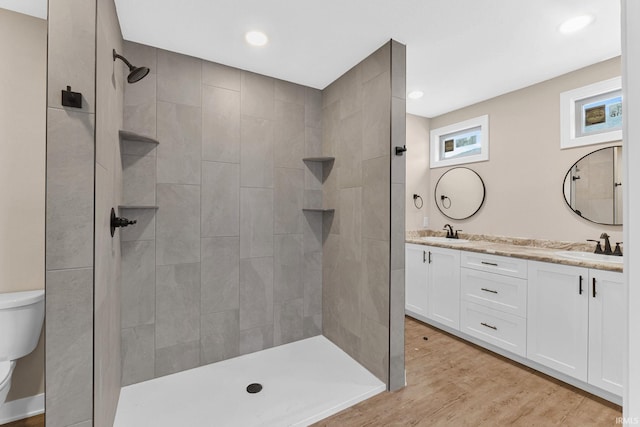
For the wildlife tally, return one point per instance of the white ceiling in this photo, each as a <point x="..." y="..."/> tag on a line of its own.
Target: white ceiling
<point x="37" y="8"/>
<point x="459" y="52"/>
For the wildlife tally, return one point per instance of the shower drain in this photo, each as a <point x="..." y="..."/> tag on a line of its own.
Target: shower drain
<point x="254" y="388"/>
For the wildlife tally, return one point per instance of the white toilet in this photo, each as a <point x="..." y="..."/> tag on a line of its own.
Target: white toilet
<point x="21" y="316"/>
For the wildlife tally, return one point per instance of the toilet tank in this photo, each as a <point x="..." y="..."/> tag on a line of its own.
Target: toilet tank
<point x="21" y="316"/>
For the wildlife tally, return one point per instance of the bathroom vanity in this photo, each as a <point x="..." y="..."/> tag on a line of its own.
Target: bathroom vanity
<point x="561" y="316"/>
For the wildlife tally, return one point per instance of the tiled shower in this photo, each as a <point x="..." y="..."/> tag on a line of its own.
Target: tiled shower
<point x="223" y="260"/>
<point x="228" y="263"/>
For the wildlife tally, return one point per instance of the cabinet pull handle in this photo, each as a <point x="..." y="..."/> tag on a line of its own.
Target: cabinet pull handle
<point x="580" y="286"/>
<point x="424" y="256"/>
<point x="489" y="290"/>
<point x="489" y="326"/>
<point x="594" y="287"/>
<point x="429" y="257"/>
<point x="489" y="263"/>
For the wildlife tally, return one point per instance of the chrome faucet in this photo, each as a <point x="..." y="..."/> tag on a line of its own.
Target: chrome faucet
<point x="450" y="234"/>
<point x="607" y="244"/>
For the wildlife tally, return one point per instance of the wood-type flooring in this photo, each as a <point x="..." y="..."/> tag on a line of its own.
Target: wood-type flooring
<point x="455" y="383"/>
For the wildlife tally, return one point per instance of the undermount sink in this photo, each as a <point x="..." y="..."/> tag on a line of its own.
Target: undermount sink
<point x="590" y="256"/>
<point x="447" y="240"/>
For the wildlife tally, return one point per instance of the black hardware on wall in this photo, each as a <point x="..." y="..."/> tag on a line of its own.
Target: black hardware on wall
<point x="119" y="222"/>
<point x="400" y="150"/>
<point x="415" y="201"/>
<point x="443" y="200"/>
<point x="71" y="99"/>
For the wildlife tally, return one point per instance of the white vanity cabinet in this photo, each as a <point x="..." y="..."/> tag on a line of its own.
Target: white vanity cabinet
<point x="576" y="322"/>
<point x="557" y="314"/>
<point x="606" y="329"/>
<point x="493" y="304"/>
<point x="415" y="280"/>
<point x="432" y="284"/>
<point x="443" y="286"/>
<point x="563" y="320"/>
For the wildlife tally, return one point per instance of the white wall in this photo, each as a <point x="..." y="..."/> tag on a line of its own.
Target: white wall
<point x="23" y="43"/>
<point x="417" y="170"/>
<point x="631" y="85"/>
<point x="526" y="168"/>
<point x="22" y="151"/>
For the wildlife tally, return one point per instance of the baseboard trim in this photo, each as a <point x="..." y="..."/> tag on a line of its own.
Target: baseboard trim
<point x="22" y="408"/>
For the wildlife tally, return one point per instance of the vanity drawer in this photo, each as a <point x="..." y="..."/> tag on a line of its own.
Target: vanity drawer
<point x="508" y="266"/>
<point x="503" y="293"/>
<point x="503" y="330"/>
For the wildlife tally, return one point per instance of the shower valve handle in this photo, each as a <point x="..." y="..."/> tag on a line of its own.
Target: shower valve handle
<point x="123" y="222"/>
<point x="119" y="222"/>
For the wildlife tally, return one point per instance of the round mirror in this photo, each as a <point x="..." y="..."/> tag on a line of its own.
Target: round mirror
<point x="593" y="186"/>
<point x="459" y="193"/>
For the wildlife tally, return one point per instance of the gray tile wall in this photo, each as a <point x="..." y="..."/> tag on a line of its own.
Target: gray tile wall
<point x="70" y="219"/>
<point x="398" y="171"/>
<point x="228" y="264"/>
<point x="110" y="82"/>
<point x="362" y="122"/>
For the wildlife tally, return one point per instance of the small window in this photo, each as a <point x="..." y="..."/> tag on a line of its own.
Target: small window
<point x="464" y="142"/>
<point x="591" y="114"/>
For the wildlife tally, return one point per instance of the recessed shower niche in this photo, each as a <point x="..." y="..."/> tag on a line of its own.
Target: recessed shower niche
<point x="138" y="154"/>
<point x="319" y="168"/>
<point x="138" y="171"/>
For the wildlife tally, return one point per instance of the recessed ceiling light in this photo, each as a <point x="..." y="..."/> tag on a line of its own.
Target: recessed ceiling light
<point x="575" y="24"/>
<point x="416" y="94"/>
<point x="256" y="38"/>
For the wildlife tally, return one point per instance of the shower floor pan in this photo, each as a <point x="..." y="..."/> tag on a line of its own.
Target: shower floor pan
<point x="302" y="383"/>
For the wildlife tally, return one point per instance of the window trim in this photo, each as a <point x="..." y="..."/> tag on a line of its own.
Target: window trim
<point x="435" y="161"/>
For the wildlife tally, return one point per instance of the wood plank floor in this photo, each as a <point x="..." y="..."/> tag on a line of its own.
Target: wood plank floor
<point x="454" y="383"/>
<point x="36" y="421"/>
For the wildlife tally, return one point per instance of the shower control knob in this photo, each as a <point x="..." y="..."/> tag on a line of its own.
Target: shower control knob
<point x="119" y="222"/>
<point x="123" y="222"/>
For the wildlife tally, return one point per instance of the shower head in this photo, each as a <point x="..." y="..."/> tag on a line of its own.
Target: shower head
<point x="135" y="73"/>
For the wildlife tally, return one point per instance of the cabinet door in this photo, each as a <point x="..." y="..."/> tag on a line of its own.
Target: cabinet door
<point x="606" y="330"/>
<point x="443" y="285"/>
<point x="416" y="279"/>
<point x="557" y="317"/>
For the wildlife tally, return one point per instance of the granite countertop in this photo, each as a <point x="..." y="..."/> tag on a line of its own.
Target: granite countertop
<point x="531" y="249"/>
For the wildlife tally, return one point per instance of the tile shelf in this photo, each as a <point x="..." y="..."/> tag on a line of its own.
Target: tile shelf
<point x="137" y="207"/>
<point x="318" y="210"/>
<point x="126" y="135"/>
<point x="318" y="159"/>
